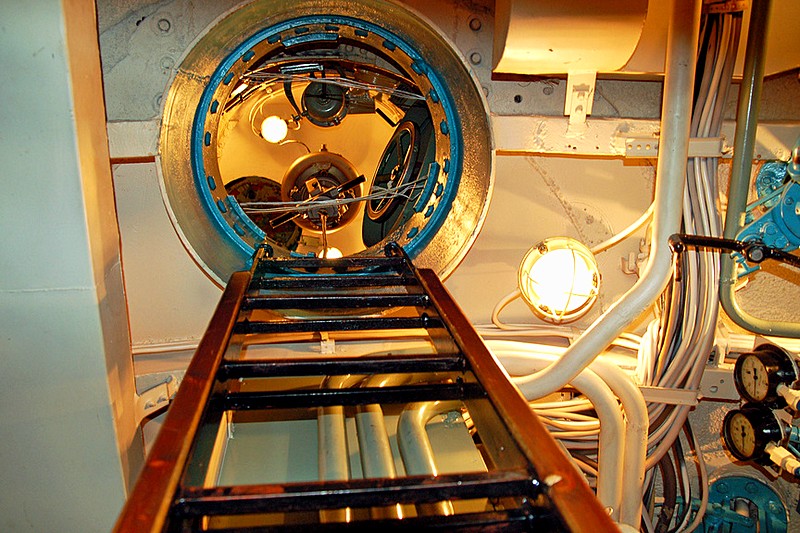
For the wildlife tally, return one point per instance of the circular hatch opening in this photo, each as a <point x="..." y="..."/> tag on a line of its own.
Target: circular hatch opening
<point x="316" y="128"/>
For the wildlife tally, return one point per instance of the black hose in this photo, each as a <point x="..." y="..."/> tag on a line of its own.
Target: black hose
<point x="685" y="488"/>
<point x="670" y="488"/>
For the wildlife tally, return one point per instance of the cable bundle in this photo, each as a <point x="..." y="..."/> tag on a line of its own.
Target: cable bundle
<point x="675" y="347"/>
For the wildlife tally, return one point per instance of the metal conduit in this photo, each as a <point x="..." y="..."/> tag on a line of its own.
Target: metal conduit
<point x="744" y="142"/>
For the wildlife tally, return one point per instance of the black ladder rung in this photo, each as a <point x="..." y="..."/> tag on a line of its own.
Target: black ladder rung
<point x="245" y="499"/>
<point x="328" y="281"/>
<point x="240" y="401"/>
<point x="335" y="301"/>
<point x="318" y="366"/>
<point x="518" y="519"/>
<point x="336" y="324"/>
<point x="340" y="265"/>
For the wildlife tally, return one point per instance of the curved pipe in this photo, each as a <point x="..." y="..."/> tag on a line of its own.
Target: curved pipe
<point x="416" y="450"/>
<point x="670" y="178"/>
<point x="636" y="427"/>
<point x="518" y="358"/>
<point x="744" y="142"/>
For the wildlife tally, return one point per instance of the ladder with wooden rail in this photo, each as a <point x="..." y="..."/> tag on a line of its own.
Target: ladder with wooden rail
<point x="241" y="373"/>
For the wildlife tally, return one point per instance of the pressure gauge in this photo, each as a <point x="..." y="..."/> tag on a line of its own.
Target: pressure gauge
<point x="757" y="374"/>
<point x="748" y="430"/>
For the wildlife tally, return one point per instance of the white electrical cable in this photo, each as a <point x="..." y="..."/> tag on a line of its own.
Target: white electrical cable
<point x="624" y="234"/>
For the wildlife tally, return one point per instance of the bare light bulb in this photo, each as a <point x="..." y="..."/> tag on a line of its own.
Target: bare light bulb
<point x="332" y="253"/>
<point x="274" y="129"/>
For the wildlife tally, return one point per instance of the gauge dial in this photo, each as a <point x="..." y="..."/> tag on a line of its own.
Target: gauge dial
<point x="753" y="377"/>
<point x="740" y="436"/>
<point x="757" y="374"/>
<point x="748" y="430"/>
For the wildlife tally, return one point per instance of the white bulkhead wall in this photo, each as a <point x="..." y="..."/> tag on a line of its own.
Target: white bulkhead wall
<point x="69" y="444"/>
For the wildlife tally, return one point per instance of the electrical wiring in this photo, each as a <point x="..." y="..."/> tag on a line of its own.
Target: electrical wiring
<point x="628" y="341"/>
<point x="282" y="207"/>
<point x="688" y="327"/>
<point x="673" y="351"/>
<point x="647" y="523"/>
<point x="703" y="477"/>
<point x="565" y="406"/>
<point x="625" y="233"/>
<point x="585" y="468"/>
<point x="341" y="81"/>
<point x="684" y="486"/>
<point x="574" y="435"/>
<point x="577" y="417"/>
<point x="579" y="445"/>
<point x="553" y="419"/>
<point x="670" y="494"/>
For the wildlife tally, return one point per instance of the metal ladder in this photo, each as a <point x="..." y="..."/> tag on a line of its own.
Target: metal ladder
<point x="528" y="483"/>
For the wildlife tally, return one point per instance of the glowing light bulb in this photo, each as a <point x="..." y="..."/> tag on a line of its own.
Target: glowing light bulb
<point x="333" y="253"/>
<point x="274" y="129"/>
<point x="559" y="279"/>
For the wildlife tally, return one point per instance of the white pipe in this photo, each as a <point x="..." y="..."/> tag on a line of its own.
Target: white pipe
<point x="636" y="427"/>
<point x="332" y="442"/>
<point x="415" y="446"/>
<point x="636" y="423"/>
<point x="519" y="358"/>
<point x="375" y="451"/>
<point x="332" y="456"/>
<point x="668" y="198"/>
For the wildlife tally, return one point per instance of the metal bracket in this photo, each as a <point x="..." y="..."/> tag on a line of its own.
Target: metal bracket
<point x="647" y="147"/>
<point x="580" y="96"/>
<point x="157" y="396"/>
<point x="717" y="383"/>
<point x="669" y="396"/>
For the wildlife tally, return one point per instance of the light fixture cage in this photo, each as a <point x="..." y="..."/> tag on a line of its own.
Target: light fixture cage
<point x="559" y="279"/>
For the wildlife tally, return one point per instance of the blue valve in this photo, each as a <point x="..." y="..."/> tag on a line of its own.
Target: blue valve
<point x="778" y="188"/>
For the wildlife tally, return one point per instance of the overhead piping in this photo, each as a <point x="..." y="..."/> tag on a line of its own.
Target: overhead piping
<point x="670" y="182"/>
<point x="741" y="166"/>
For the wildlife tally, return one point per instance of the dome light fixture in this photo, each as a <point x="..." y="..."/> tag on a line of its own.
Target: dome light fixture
<point x="274" y="129"/>
<point x="559" y="279"/>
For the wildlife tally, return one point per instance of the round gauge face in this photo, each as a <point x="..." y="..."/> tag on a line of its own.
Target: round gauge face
<point x="753" y="377"/>
<point x="740" y="435"/>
